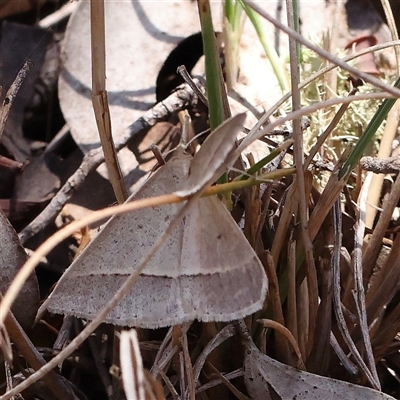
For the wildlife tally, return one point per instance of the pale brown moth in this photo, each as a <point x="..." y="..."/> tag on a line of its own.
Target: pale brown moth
<point x="205" y="270"/>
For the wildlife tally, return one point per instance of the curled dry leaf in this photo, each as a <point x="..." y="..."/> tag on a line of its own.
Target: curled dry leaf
<point x="12" y="257"/>
<point x="263" y="372"/>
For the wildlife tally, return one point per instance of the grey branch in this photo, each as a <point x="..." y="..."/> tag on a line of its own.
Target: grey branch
<point x="389" y="165"/>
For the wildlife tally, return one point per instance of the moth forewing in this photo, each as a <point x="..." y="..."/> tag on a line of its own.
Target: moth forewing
<point x="214" y="156"/>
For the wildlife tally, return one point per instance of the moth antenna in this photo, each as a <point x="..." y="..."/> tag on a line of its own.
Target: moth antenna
<point x="196" y="137"/>
<point x="183" y="72"/>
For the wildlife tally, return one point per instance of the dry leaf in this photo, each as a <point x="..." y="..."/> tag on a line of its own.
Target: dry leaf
<point x="262" y="372"/>
<point x="12" y="257"/>
<point x="135" y="31"/>
<point x="19" y="42"/>
<point x="38" y="182"/>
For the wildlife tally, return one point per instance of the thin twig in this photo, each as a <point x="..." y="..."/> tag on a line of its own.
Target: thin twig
<point x="224" y="334"/>
<point x="385" y="149"/>
<point x="299" y="182"/>
<point x="64" y="12"/>
<point x="387" y="9"/>
<point x="390" y="165"/>
<point x="269" y="323"/>
<point x="276" y="305"/>
<point x="102" y="369"/>
<point x="238" y="394"/>
<point x="374" y="245"/>
<point x="332" y="125"/>
<point x="187" y="362"/>
<point x="161" y="353"/>
<point x="347" y="364"/>
<point x="103" y="120"/>
<point x="291" y="308"/>
<point x="229" y="376"/>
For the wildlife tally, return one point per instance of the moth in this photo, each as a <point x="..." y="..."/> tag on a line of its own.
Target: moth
<point x="205" y="270"/>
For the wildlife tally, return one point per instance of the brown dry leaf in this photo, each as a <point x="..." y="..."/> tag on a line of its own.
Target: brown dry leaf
<point x="264" y="375"/>
<point x="38" y="182"/>
<point x="12" y="257"/>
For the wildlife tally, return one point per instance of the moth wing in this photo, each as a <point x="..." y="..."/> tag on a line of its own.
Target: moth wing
<point x="221" y="280"/>
<point x="213" y="157"/>
<point x="121" y="245"/>
<point x="158" y="301"/>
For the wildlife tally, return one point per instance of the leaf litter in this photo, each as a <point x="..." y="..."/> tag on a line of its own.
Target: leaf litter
<point x="261" y="363"/>
<point x="263" y="374"/>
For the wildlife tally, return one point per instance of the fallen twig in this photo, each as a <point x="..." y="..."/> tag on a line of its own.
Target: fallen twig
<point x="390" y="165"/>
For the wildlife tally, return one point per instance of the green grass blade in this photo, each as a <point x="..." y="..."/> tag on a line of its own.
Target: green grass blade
<point x="233" y="12"/>
<point x="214" y="81"/>
<point x="368" y="135"/>
<point x="264" y="161"/>
<point x="232" y="32"/>
<point x="276" y="62"/>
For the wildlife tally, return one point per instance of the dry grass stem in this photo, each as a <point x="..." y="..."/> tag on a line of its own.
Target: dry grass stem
<point x="100" y="99"/>
<point x="342" y="325"/>
<point x="268" y="323"/>
<point x="358" y="292"/>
